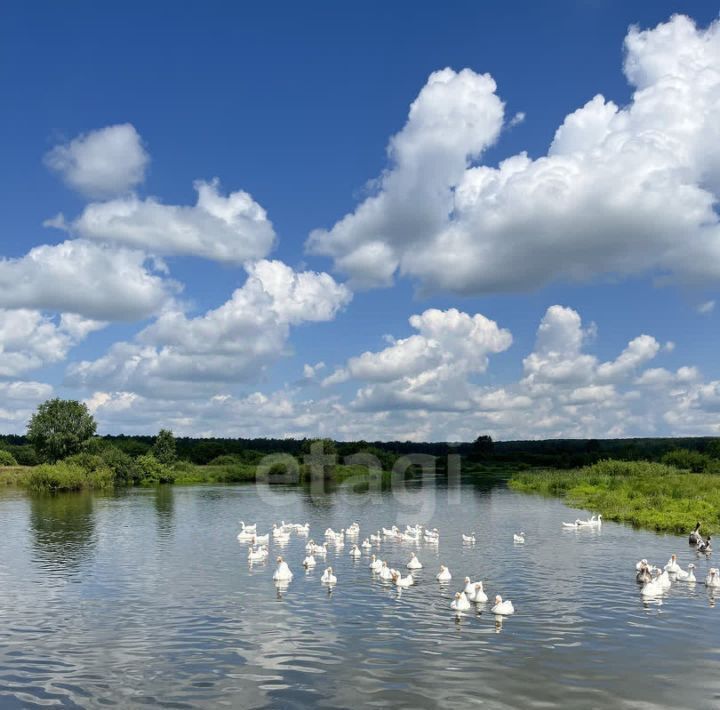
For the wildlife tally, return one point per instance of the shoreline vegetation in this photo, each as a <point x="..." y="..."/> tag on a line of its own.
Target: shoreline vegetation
<point x="660" y="484"/>
<point x="645" y="494"/>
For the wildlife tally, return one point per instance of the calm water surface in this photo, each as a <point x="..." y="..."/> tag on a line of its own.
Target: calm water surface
<point x="146" y="598"/>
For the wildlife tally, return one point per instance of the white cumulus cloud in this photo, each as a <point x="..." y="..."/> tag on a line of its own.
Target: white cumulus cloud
<point x="621" y="190"/>
<point x="101" y="163"/>
<point x="90" y="280"/>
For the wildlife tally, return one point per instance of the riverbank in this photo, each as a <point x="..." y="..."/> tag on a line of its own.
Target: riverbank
<point x="647" y="495"/>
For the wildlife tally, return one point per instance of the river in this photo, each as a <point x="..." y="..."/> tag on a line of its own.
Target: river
<point x="145" y="598"/>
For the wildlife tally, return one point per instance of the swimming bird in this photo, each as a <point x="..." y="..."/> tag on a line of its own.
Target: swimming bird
<point x="366" y="544"/>
<point x="376" y="564"/>
<point x="460" y="603"/>
<point x="257" y="555"/>
<point x="310" y="546"/>
<point x="704" y="546"/>
<point x="688" y="576"/>
<point x="713" y="579"/>
<point x="302" y="529"/>
<point x="414" y="562"/>
<point x="469" y="586"/>
<point x="478" y="594"/>
<point x="695" y="536"/>
<point x="244" y="536"/>
<point x="519" y="539"/>
<point x="248" y="528"/>
<point x="401" y="581"/>
<point x="320" y="550"/>
<point x="443" y="575"/>
<point x="502" y="608"/>
<point x="376" y="537"/>
<point x="282" y="572"/>
<point x="355" y="552"/>
<point x="672" y="566"/>
<point x="328" y="577"/>
<point x="576" y="524"/>
<point x="385" y="572"/>
<point x="643" y="575"/>
<point x="653" y="588"/>
<point x="468" y="538"/>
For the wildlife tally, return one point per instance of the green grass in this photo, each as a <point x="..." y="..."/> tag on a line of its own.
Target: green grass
<point x="14" y="475"/>
<point x="67" y="477"/>
<point x="644" y="494"/>
<point x="188" y="474"/>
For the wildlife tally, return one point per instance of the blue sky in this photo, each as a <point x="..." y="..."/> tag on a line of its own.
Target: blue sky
<point x="117" y="111"/>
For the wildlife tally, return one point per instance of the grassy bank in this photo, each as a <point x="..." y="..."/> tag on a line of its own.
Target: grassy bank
<point x="644" y="494"/>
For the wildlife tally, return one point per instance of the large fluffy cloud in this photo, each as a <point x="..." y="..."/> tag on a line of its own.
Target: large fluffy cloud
<point x="102" y="163"/>
<point x="29" y="339"/>
<point x="91" y="280"/>
<point x="428" y="370"/>
<point x="180" y="356"/>
<point x="232" y="228"/>
<point x="453" y="119"/>
<point x="621" y="190"/>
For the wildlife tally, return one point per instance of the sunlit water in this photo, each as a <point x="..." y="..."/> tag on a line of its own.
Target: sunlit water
<point x="146" y="598"/>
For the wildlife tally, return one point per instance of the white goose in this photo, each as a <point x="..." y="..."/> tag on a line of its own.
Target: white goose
<point x="376" y="537"/>
<point x="355" y="552"/>
<point x="672" y="566"/>
<point x="468" y="538"/>
<point x="309" y="562"/>
<point x="469" y="586"/>
<point x="713" y="579"/>
<point x="385" y="573"/>
<point x="478" y="594"/>
<point x="328" y="577"/>
<point x="366" y="544"/>
<point x="248" y="528"/>
<point x="244" y="536"/>
<point x="320" y="550"/>
<point x="653" y="588"/>
<point x="414" y="562"/>
<point x="401" y="581"/>
<point x="519" y="539"/>
<point x="460" y="603"/>
<point x="310" y="546"/>
<point x="688" y="576"/>
<point x="376" y="564"/>
<point x="443" y="575"/>
<point x="503" y="608"/>
<point x="282" y="572"/>
<point x="258" y="555"/>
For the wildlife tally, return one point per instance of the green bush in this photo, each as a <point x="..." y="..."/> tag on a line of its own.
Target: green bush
<point x="24" y="454"/>
<point x="125" y="469"/>
<point x="89" y="462"/>
<point x="226" y="460"/>
<point x="7" y="459"/>
<point x="64" y="476"/>
<point x="152" y="471"/>
<point x="689" y="460"/>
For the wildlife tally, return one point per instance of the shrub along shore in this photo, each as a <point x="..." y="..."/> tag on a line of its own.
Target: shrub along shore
<point x="650" y="495"/>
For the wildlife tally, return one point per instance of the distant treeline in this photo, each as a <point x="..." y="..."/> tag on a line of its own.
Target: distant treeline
<point x="552" y="453"/>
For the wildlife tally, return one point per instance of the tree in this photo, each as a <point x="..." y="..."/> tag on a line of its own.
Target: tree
<point x="483" y="446"/>
<point x="59" y="428"/>
<point x="164" y="448"/>
<point x="319" y="457"/>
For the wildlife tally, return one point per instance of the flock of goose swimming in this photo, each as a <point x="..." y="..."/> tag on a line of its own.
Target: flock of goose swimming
<point x="657" y="581"/>
<point x="471" y="593"/>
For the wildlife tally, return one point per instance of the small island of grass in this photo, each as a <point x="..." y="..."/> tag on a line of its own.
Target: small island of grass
<point x="645" y="494"/>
